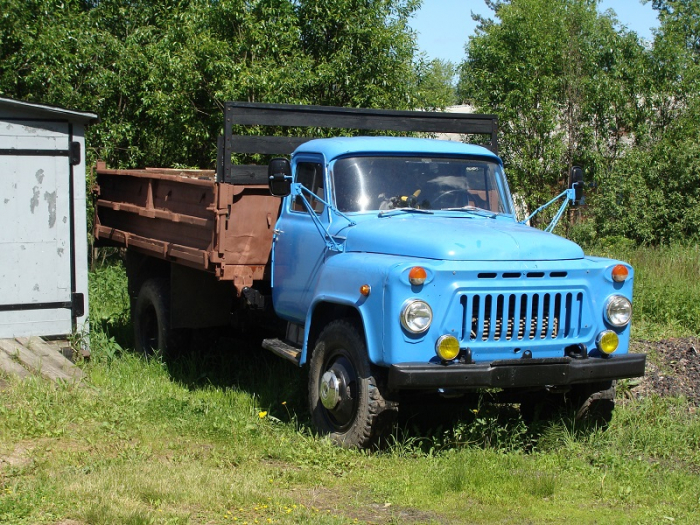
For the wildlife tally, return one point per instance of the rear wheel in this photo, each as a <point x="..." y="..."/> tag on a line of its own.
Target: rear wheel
<point x="151" y="317"/>
<point x="345" y="390"/>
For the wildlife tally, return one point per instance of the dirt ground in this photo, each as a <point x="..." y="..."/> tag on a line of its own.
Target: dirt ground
<point x="673" y="368"/>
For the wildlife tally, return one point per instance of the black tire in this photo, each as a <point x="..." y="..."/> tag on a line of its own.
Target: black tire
<point x="151" y="317"/>
<point x="591" y="403"/>
<point x="594" y="402"/>
<point x="362" y="415"/>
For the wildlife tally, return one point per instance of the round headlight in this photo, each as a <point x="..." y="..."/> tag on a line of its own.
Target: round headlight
<point x="416" y="316"/>
<point x="618" y="310"/>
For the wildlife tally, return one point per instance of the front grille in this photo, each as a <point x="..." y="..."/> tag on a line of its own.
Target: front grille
<point x="521" y="316"/>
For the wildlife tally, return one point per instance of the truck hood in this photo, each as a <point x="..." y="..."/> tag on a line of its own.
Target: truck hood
<point x="462" y="238"/>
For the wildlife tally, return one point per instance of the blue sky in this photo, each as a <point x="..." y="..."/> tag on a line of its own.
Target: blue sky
<point x="444" y="26"/>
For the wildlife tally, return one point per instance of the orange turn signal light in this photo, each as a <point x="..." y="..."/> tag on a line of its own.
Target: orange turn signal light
<point x="620" y="273"/>
<point x="417" y="275"/>
<point x="365" y="289"/>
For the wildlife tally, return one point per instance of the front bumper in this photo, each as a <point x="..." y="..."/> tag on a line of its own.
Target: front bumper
<point x="515" y="373"/>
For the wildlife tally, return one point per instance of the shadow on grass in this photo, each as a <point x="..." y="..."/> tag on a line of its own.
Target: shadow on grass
<point x="427" y="423"/>
<point x="227" y="359"/>
<point x="430" y="423"/>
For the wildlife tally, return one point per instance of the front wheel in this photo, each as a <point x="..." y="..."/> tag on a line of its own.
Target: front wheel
<point x="594" y="402"/>
<point x="345" y="390"/>
<point x="590" y="403"/>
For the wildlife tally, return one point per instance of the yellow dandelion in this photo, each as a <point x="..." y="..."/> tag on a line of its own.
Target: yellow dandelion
<point x="262" y="415"/>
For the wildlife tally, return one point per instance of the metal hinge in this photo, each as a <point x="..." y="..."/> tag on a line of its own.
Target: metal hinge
<point x="78" y="304"/>
<point x="74" y="153"/>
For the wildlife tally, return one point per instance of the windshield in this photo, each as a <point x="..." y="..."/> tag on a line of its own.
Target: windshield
<point x="386" y="183"/>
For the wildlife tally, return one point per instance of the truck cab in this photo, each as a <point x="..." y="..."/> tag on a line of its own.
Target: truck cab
<point x="400" y="265"/>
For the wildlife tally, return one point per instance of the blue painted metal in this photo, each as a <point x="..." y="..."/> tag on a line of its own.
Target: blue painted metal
<point x="499" y="286"/>
<point x="456" y="236"/>
<point x="570" y="196"/>
<point x="299" y="190"/>
<point x="339" y="146"/>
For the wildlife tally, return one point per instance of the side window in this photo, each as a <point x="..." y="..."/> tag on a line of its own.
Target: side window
<point x="310" y="175"/>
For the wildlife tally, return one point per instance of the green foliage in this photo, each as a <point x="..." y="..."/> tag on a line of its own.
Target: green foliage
<point x="109" y="320"/>
<point x="572" y="87"/>
<point x="653" y="197"/>
<point x="562" y="81"/>
<point x="157" y="73"/>
<point x="435" y="84"/>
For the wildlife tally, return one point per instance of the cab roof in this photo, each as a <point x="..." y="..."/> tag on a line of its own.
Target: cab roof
<point x="339" y="146"/>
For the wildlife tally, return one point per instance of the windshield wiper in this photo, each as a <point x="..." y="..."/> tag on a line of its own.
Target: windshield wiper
<point x="396" y="211"/>
<point x="476" y="211"/>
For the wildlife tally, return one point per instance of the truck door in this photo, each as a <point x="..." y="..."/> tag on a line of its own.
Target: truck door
<point x="299" y="249"/>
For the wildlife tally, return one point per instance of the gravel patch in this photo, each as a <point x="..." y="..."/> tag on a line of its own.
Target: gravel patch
<point x="673" y="368"/>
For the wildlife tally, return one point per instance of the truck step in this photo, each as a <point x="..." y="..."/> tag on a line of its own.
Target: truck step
<point x="282" y="349"/>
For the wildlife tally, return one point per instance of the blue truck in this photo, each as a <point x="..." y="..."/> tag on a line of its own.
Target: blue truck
<point x="386" y="265"/>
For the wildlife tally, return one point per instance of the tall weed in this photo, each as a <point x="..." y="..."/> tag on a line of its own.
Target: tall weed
<point x="110" y="324"/>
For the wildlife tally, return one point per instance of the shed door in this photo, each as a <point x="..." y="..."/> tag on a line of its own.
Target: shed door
<point x="35" y="228"/>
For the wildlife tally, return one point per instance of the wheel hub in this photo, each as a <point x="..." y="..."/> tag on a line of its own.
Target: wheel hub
<point x="329" y="390"/>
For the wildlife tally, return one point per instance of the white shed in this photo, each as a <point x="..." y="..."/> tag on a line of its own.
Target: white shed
<point x="43" y="232"/>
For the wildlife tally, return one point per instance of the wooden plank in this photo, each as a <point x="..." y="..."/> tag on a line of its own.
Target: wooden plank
<point x="58" y="360"/>
<point x="266" y="145"/>
<point x="33" y="361"/>
<point x="356" y="118"/>
<point x="328" y="117"/>
<point x="10" y="367"/>
<point x="248" y="174"/>
<point x="173" y="175"/>
<point x="156" y="213"/>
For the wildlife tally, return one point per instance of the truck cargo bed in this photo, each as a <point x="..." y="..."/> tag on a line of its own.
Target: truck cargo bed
<point x="184" y="216"/>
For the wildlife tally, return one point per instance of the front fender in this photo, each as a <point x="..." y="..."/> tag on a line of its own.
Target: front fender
<point x="339" y="284"/>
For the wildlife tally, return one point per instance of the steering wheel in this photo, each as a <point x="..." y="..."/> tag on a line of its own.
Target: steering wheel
<point x="452" y="199"/>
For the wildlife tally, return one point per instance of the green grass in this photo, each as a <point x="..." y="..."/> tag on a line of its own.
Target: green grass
<point x="221" y="436"/>
<point x="135" y="445"/>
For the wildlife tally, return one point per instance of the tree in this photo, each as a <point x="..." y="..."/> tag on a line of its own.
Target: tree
<point x="562" y="80"/>
<point x="436" y="89"/>
<point x="653" y="196"/>
<point x="157" y="73"/>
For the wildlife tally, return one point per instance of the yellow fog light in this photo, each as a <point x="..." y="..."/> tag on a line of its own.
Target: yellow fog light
<point x="607" y="341"/>
<point x="447" y="347"/>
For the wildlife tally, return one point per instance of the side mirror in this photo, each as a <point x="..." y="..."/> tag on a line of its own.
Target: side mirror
<point x="279" y="173"/>
<point x="576" y="183"/>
